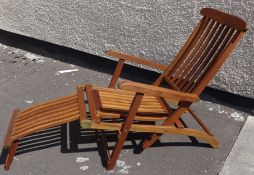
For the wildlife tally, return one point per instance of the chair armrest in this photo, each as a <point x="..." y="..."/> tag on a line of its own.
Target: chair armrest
<point x="158" y="91"/>
<point x="135" y="59"/>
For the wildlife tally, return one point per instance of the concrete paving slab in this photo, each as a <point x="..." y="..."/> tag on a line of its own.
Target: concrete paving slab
<point x="28" y="78"/>
<point x="241" y="157"/>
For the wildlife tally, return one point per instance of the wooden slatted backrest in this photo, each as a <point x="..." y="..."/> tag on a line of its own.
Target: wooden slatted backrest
<point x="205" y="51"/>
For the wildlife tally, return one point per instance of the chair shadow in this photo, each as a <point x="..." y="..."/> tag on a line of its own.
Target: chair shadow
<point x="70" y="136"/>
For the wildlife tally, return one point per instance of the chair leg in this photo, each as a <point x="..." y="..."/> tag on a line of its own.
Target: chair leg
<point x="150" y="141"/>
<point x="117" y="149"/>
<point x="11" y="154"/>
<point x="125" y="130"/>
<point x="203" y="126"/>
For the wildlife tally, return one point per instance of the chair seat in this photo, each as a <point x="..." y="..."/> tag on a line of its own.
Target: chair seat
<point x="114" y="103"/>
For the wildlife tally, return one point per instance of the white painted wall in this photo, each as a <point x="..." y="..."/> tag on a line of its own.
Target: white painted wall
<point x="148" y="28"/>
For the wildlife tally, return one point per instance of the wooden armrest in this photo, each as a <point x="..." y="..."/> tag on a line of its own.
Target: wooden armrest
<point x="158" y="91"/>
<point x="135" y="59"/>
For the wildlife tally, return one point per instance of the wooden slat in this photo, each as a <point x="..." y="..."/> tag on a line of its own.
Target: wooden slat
<point x="200" y="70"/>
<point x="217" y="64"/>
<point x="44" y="112"/>
<point x="179" y="72"/>
<point x="186" y="52"/>
<point x="199" y="57"/>
<point x="127" y="97"/>
<point x="180" y="53"/>
<point x="207" y="66"/>
<point x="112" y="90"/>
<point x="48" y="108"/>
<point x="204" y="58"/>
<point x="124" y="108"/>
<point x="190" y="42"/>
<point x="55" y="120"/>
<point x="44" y="116"/>
<point x="187" y="72"/>
<point x="137" y="117"/>
<point x="121" y="94"/>
<point x="45" y="119"/>
<point x="127" y="101"/>
<point x="128" y="105"/>
<point x="49" y="104"/>
<point x="44" y="126"/>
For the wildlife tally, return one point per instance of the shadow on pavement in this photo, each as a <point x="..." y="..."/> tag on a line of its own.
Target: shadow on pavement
<point x="70" y="137"/>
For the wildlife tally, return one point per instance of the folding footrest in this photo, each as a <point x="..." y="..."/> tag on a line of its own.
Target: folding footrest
<point x="39" y="117"/>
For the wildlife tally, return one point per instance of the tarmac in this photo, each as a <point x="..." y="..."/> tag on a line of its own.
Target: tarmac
<point x="31" y="75"/>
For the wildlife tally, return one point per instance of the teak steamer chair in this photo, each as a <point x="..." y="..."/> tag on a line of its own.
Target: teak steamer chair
<point x="135" y="106"/>
<point x="135" y="103"/>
